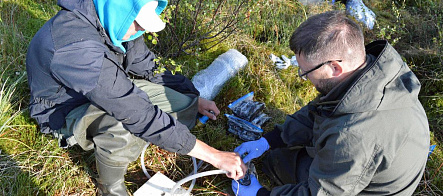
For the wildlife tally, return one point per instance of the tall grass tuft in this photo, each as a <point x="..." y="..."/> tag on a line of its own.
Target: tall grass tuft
<point x="9" y="103"/>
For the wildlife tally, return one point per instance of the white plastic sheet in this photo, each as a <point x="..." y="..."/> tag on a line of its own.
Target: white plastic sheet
<point x="211" y="80"/>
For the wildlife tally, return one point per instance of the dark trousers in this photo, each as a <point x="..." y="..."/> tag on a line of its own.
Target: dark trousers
<point x="92" y="128"/>
<point x="287" y="165"/>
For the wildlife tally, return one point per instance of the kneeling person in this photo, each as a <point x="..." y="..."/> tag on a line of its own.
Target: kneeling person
<point x="366" y="133"/>
<point x="92" y="83"/>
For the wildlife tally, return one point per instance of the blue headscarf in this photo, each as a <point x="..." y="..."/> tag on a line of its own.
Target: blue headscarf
<point x="116" y="16"/>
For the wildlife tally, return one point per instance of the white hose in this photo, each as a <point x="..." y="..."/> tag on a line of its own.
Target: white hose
<point x="194" y="162"/>
<point x="193" y="177"/>
<point x="142" y="161"/>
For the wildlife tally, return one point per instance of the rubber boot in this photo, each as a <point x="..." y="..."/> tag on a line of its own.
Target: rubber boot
<point x="111" y="180"/>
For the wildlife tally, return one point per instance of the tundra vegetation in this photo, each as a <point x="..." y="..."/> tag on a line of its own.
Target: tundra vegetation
<point x="198" y="31"/>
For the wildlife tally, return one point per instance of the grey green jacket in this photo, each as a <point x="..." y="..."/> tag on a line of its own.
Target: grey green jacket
<point x="368" y="136"/>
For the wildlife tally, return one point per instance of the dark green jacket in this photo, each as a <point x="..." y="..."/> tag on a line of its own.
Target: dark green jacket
<point x="368" y="136"/>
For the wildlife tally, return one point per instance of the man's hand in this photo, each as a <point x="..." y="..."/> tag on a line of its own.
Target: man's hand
<point x="250" y="190"/>
<point x="232" y="163"/>
<point x="208" y="108"/>
<point x="227" y="161"/>
<point x="253" y="149"/>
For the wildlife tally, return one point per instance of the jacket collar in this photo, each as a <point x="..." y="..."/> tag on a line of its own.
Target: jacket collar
<point x="376" y="87"/>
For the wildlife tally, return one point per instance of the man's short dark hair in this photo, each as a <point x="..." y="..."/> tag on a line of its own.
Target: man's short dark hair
<point x="327" y="35"/>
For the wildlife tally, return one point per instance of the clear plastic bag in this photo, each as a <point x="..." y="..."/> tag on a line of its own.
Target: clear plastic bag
<point x="260" y="119"/>
<point x="248" y="109"/>
<point x="210" y="80"/>
<point x="247" y="119"/>
<point x="244" y="129"/>
<point x="361" y="12"/>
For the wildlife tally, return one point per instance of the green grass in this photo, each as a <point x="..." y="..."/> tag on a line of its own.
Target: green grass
<point x="32" y="164"/>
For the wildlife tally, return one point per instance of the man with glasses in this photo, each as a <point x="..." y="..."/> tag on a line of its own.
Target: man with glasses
<point x="365" y="134"/>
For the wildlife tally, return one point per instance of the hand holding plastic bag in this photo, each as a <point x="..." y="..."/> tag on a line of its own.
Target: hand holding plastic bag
<point x="253" y="149"/>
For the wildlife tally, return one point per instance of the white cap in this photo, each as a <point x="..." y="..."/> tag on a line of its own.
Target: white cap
<point x="148" y="19"/>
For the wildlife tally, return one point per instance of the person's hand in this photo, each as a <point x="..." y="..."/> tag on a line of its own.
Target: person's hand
<point x="253" y="149"/>
<point x="231" y="163"/>
<point x="227" y="161"/>
<point x="252" y="189"/>
<point x="208" y="108"/>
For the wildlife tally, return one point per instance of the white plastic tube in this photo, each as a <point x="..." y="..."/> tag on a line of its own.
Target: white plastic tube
<point x="194" y="162"/>
<point x="142" y="161"/>
<point x="193" y="177"/>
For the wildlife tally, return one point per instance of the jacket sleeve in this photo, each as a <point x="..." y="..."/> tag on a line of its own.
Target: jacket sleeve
<point x="343" y="165"/>
<point x="295" y="131"/>
<point x="87" y="70"/>
<point x="140" y="62"/>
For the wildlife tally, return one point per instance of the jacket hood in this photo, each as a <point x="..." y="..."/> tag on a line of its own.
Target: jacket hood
<point x="80" y="7"/>
<point x="385" y="84"/>
<point x="116" y="16"/>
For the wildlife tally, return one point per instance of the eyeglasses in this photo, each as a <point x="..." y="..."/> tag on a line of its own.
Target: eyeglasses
<point x="303" y="75"/>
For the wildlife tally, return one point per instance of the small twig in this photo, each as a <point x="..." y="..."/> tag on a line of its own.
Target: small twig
<point x="437" y="170"/>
